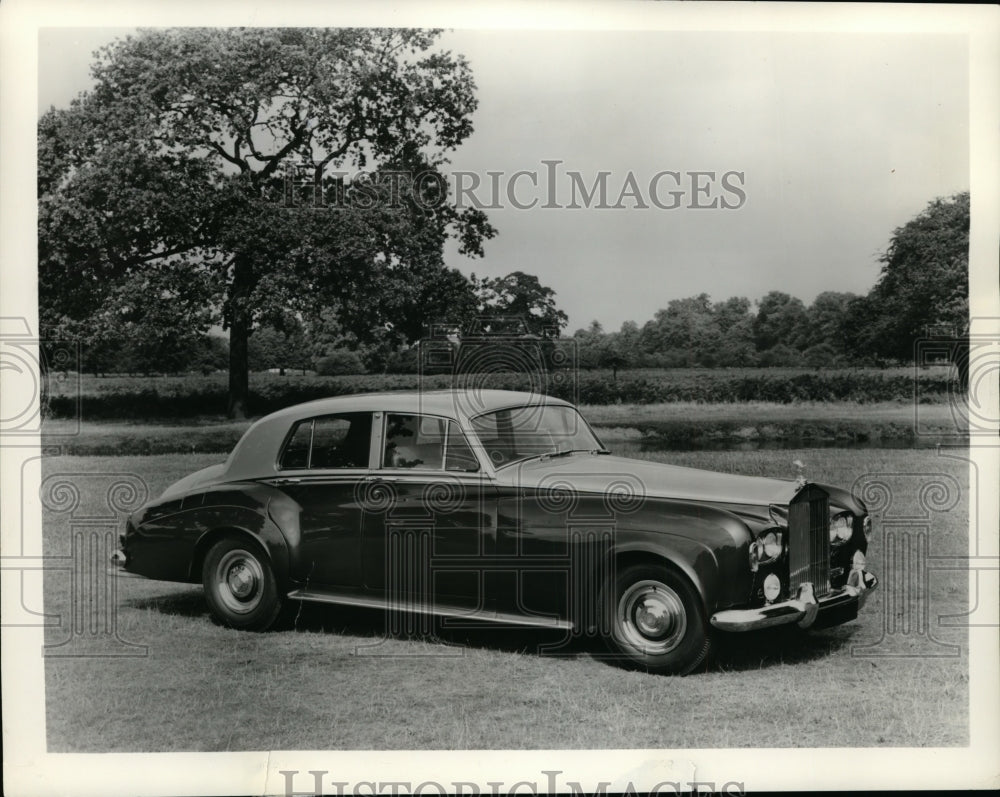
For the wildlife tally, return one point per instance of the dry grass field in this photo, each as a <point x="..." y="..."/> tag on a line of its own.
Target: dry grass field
<point x="337" y="680"/>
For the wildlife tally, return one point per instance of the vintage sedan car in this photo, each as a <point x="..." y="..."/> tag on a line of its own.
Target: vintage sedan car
<point x="500" y="507"/>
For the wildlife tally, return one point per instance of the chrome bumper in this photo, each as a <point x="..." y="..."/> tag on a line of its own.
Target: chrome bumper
<point x="117" y="566"/>
<point x="803" y="609"/>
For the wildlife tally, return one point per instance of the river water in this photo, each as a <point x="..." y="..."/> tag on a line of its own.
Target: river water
<point x="630" y="446"/>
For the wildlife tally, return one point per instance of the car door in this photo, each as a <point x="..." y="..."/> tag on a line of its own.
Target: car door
<point x="323" y="467"/>
<point x="430" y="516"/>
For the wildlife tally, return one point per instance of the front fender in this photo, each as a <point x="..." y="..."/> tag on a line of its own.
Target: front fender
<point x="710" y="545"/>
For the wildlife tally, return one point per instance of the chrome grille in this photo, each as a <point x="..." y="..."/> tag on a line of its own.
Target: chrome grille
<point x="809" y="540"/>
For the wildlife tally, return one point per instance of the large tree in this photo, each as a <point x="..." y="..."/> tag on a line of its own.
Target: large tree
<point x="924" y="282"/>
<point x="781" y="319"/>
<point x="685" y="331"/>
<point x="183" y="168"/>
<point x="826" y="318"/>
<point x="521" y="295"/>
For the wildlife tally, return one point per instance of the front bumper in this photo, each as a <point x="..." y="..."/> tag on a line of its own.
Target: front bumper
<point x="803" y="609"/>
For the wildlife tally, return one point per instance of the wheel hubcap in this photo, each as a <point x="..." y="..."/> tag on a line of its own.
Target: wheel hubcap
<point x="651" y="617"/>
<point x="239" y="580"/>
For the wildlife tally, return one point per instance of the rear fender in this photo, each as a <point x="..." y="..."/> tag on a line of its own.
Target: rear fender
<point x="218" y="522"/>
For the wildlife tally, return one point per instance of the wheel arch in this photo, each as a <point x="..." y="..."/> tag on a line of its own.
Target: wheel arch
<point x="633" y="555"/>
<point x="275" y="553"/>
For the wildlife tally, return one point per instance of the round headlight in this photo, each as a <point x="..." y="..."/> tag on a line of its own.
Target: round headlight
<point x="771" y="545"/>
<point x="841" y="528"/>
<point x="772" y="587"/>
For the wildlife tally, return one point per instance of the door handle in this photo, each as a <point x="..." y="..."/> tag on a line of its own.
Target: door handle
<point x="287" y="480"/>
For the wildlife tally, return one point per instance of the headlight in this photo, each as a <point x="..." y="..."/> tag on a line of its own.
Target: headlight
<point x="770" y="545"/>
<point x="766" y="548"/>
<point x="841" y="528"/>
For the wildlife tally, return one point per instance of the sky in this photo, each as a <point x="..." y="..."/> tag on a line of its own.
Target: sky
<point x="839" y="139"/>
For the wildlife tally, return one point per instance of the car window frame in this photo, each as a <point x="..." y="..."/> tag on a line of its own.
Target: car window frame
<point x="379" y="452"/>
<point x="479" y="446"/>
<point x="307" y="470"/>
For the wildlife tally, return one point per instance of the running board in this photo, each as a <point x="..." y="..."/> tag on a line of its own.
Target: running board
<point x="422" y="608"/>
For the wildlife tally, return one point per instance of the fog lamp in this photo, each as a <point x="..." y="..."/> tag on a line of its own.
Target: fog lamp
<point x="772" y="587"/>
<point x="841" y="529"/>
<point x="859" y="561"/>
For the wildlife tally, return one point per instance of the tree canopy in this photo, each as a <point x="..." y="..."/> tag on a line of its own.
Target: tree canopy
<point x="167" y="185"/>
<point x="923" y="284"/>
<point x="522" y="296"/>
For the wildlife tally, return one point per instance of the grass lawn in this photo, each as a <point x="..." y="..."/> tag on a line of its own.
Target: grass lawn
<point x="338" y="681"/>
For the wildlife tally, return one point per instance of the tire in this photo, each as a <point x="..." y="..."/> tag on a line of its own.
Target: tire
<point x="240" y="587"/>
<point x="656" y="621"/>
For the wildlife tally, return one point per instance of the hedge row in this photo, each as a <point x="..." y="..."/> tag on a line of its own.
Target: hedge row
<point x="134" y="398"/>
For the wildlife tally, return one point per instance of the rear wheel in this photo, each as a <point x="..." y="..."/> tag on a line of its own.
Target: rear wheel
<point x="657" y="622"/>
<point x="240" y="587"/>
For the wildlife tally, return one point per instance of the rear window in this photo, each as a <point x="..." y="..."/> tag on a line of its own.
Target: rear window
<point x="329" y="442"/>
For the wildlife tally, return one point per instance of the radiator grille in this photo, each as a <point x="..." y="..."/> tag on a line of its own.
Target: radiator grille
<point x="809" y="540"/>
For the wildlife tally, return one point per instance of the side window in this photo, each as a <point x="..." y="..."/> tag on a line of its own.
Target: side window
<point x="331" y="441"/>
<point x="296" y="454"/>
<point x="457" y="454"/>
<point x="414" y="441"/>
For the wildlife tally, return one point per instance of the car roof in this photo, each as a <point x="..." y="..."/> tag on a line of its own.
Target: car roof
<point x="457" y="403"/>
<point x="257" y="451"/>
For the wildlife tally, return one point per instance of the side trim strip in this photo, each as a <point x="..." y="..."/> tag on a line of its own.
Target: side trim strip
<point x="439" y="610"/>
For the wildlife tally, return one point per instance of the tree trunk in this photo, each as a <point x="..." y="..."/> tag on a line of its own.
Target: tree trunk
<point x="43" y="372"/>
<point x="239" y="334"/>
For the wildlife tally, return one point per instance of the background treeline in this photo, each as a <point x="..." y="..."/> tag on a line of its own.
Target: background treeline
<point x="780" y="331"/>
<point x="692" y="332"/>
<point x="923" y="286"/>
<point x="192" y="396"/>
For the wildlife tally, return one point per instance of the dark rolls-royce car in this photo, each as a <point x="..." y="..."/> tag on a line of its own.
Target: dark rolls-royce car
<point x="500" y="507"/>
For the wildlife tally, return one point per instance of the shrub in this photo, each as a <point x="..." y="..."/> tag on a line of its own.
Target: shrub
<point x="780" y="355"/>
<point x="822" y="355"/>
<point x="403" y="362"/>
<point x="341" y="362"/>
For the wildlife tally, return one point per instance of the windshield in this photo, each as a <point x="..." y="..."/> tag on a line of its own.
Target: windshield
<point x="518" y="433"/>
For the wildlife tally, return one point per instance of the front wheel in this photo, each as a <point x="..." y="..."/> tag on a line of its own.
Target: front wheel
<point x="656" y="619"/>
<point x="240" y="587"/>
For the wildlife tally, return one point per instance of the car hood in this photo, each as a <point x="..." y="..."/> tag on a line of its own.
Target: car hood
<point x="601" y="473"/>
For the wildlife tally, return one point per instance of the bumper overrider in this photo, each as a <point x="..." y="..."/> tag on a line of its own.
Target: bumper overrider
<point x="118" y="561"/>
<point x="803" y="609"/>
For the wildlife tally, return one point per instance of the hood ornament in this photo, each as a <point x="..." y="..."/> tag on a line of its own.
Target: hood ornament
<point x="800" y="476"/>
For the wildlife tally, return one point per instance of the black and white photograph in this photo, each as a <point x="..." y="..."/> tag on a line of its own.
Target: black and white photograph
<point x="512" y="400"/>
